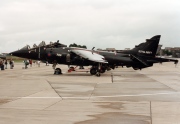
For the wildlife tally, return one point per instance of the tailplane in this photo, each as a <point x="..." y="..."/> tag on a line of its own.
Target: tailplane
<point x="149" y="48"/>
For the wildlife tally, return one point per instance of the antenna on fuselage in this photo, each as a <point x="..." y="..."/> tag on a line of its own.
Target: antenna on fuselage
<point x="93" y="50"/>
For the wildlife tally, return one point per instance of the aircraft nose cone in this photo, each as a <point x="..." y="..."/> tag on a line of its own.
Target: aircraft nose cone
<point x="19" y="53"/>
<point x="13" y="53"/>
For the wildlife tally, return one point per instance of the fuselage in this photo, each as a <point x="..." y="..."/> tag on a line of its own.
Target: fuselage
<point x="142" y="56"/>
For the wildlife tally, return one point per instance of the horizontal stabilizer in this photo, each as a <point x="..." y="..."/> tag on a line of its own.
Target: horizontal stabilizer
<point x="160" y="60"/>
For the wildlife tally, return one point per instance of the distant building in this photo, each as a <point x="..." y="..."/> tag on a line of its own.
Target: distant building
<point x="175" y="52"/>
<point x="168" y="48"/>
<point x="176" y="48"/>
<point x="171" y="51"/>
<point x="5" y="54"/>
<point x="159" y="52"/>
<point x="2" y="57"/>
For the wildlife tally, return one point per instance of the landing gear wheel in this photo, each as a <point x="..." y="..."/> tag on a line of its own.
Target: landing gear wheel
<point x="103" y="70"/>
<point x="93" y="71"/>
<point x="57" y="71"/>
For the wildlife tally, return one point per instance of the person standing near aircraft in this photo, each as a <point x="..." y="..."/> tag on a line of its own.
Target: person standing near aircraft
<point x="6" y="64"/>
<point x="2" y="64"/>
<point x="54" y="64"/>
<point x="11" y="64"/>
<point x="26" y="63"/>
<point x="38" y="62"/>
<point x="30" y="62"/>
<point x="47" y="63"/>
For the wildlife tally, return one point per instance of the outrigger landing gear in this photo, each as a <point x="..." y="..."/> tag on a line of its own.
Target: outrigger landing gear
<point x="98" y="74"/>
<point x="57" y="71"/>
<point x="98" y="70"/>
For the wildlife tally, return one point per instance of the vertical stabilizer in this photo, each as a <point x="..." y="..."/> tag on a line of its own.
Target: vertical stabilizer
<point x="149" y="48"/>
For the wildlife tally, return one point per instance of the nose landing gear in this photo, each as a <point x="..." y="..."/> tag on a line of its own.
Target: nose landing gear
<point x="57" y="71"/>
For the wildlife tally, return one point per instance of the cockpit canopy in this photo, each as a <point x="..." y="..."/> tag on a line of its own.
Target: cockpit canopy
<point x="34" y="46"/>
<point x="50" y="45"/>
<point x="27" y="47"/>
<point x="42" y="44"/>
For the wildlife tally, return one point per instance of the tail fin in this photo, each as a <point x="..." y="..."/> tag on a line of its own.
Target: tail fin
<point x="149" y="48"/>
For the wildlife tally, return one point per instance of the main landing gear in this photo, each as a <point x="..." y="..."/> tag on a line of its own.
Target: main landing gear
<point x="93" y="71"/>
<point x="97" y="70"/>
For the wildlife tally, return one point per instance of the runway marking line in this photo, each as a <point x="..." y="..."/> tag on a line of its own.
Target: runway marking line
<point x="91" y="96"/>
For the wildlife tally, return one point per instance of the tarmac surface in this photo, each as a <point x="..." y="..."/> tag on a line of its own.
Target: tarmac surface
<point x="121" y="96"/>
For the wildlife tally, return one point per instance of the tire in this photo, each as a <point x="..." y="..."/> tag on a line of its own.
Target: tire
<point x="93" y="71"/>
<point x="57" y="71"/>
<point x="103" y="70"/>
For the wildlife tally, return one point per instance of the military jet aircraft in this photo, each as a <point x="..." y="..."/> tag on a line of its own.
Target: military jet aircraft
<point x="142" y="56"/>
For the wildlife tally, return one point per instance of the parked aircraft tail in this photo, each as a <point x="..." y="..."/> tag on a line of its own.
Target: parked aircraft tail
<point x="149" y="48"/>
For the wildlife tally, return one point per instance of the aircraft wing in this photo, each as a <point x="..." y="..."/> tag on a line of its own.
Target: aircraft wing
<point x="144" y="62"/>
<point x="89" y="55"/>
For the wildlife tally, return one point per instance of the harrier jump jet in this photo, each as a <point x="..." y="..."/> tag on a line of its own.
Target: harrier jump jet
<point x="142" y="56"/>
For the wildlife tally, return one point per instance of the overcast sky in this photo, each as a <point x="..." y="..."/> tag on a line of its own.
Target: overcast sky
<point x="101" y="23"/>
